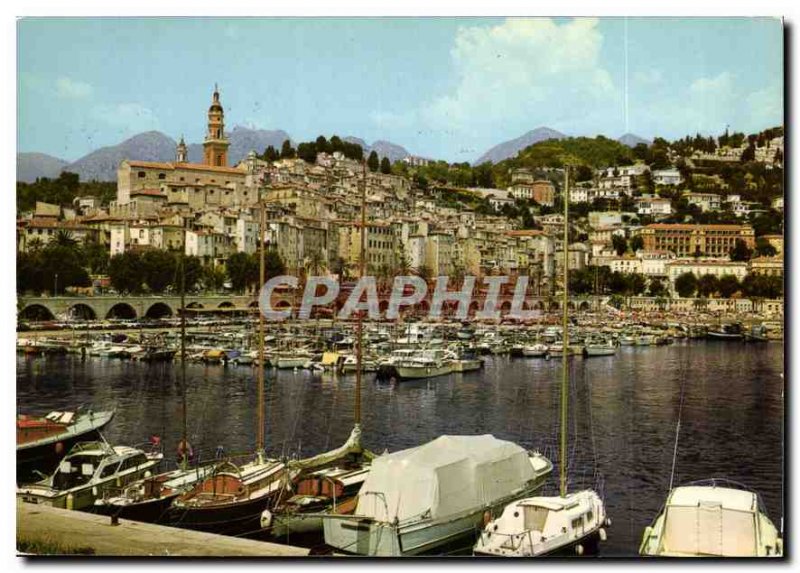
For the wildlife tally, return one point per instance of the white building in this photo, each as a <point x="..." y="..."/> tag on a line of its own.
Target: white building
<point x="653" y="205"/>
<point x="667" y="177"/>
<point x="705" y="201"/>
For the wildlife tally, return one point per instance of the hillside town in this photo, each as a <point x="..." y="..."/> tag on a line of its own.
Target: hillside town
<point x="636" y="229"/>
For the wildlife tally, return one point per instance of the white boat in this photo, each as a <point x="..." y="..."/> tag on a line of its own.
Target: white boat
<point x="646" y="340"/>
<point x="293" y="360"/>
<point x="600" y="348"/>
<point x="86" y="471"/>
<point x="701" y="520"/>
<point x="627" y="340"/>
<point x="419" y="499"/>
<point x="539" y="526"/>
<point x="534" y="351"/>
<point x="467" y="364"/>
<point x="427" y="364"/>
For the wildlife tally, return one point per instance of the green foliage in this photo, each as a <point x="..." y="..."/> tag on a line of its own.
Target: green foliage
<point x="620" y="244"/>
<point x="764" y="248"/>
<point x="707" y="285"/>
<point x="270" y="154"/>
<point x="52" y="267"/>
<point x="62" y="191"/>
<point x="637" y="243"/>
<point x="386" y="166"/>
<point x="213" y="278"/>
<point x="373" y="162"/>
<point x="686" y="285"/>
<point x="126" y="273"/>
<point x="242" y="271"/>
<point x="581" y="281"/>
<point x="728" y="286"/>
<point x="740" y="252"/>
<point x="657" y="288"/>
<point x="287" y="151"/>
<point x="762" y="286"/>
<point x="158" y="269"/>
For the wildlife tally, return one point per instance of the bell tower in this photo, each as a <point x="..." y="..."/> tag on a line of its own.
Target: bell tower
<point x="215" y="145"/>
<point x="182" y="152"/>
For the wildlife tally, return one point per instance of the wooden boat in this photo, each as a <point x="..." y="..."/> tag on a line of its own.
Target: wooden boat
<point x="86" y="471"/>
<point x="726" y="332"/>
<point x="703" y="519"/>
<point x="43" y="441"/>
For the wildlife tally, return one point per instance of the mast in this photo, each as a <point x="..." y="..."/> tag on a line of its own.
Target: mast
<point x="360" y="323"/>
<point x="565" y="342"/>
<point x="184" y="423"/>
<point x="260" y="369"/>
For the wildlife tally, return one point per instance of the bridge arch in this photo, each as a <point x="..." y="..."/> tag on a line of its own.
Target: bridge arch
<point x="82" y="311"/>
<point x="584" y="305"/>
<point x="554" y="306"/>
<point x="159" y="310"/>
<point x="194" y="304"/>
<point x="226" y="304"/>
<point x="121" y="310"/>
<point x="36" y="312"/>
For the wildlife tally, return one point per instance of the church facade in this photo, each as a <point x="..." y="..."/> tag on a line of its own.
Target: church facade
<point x="182" y="184"/>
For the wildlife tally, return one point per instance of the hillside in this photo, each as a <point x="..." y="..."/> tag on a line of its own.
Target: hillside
<point x="31" y="166"/>
<point x="509" y="149"/>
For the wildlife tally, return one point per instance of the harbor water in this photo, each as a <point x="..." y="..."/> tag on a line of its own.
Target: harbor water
<point x="623" y="414"/>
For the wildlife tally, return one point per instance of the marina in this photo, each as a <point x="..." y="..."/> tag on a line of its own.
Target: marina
<point x="730" y="429"/>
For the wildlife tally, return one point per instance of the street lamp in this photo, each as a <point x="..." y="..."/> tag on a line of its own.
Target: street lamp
<point x="55" y="285"/>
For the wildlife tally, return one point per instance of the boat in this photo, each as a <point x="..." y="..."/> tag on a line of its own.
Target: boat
<point x="599" y="348"/>
<point x="427" y="364"/>
<point x="726" y="332"/>
<point x="534" y="350"/>
<point x="536" y="526"/>
<point x="419" y="499"/>
<point x="149" y="499"/>
<point x="706" y="519"/>
<point x="757" y="333"/>
<point x="86" y="471"/>
<point x="539" y="526"/>
<point x="43" y="441"/>
<point x="627" y="340"/>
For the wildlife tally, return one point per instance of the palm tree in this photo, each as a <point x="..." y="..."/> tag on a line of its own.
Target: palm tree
<point x="64" y="238"/>
<point x="315" y="263"/>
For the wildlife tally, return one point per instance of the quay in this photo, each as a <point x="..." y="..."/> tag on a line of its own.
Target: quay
<point x="95" y="534"/>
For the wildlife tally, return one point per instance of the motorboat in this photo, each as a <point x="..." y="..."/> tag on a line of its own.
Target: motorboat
<point x="86" y="471"/>
<point x="705" y="519"/>
<point x="599" y="348"/>
<point x="539" y="526"/>
<point x="43" y="441"/>
<point x="726" y="332"/>
<point x="419" y="499"/>
<point x="534" y="350"/>
<point x="426" y="364"/>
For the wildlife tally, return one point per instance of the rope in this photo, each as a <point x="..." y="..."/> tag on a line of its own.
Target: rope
<point x="677" y="433"/>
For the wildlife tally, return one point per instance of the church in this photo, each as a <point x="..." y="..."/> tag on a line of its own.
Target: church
<point x="146" y="186"/>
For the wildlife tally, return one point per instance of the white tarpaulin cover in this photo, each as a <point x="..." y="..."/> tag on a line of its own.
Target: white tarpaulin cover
<point x="449" y="475"/>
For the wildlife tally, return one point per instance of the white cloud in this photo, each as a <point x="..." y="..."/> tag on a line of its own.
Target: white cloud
<point x="73" y="89"/>
<point x="515" y="76"/>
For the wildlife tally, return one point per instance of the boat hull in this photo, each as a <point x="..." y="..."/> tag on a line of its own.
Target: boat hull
<point x="416" y="373"/>
<point x="150" y="511"/>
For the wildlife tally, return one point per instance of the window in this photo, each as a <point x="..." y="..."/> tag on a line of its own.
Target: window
<point x="141" y="174"/>
<point x="110" y="469"/>
<point x="162" y="176"/>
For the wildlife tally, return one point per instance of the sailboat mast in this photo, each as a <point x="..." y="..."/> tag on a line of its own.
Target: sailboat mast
<point x="184" y="416"/>
<point x="360" y="323"/>
<point x="565" y="341"/>
<point x="260" y="369"/>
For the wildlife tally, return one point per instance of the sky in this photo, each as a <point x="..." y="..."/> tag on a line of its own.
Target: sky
<point x="448" y="88"/>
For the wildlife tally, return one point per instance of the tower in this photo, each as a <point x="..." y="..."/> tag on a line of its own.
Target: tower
<point x="215" y="146"/>
<point x="182" y="152"/>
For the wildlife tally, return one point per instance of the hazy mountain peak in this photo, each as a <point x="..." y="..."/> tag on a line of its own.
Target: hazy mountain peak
<point x="511" y="147"/>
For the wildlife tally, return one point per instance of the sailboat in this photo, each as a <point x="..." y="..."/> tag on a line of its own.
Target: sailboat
<point x="231" y="498"/>
<point x="546" y="525"/>
<point x="151" y="498"/>
<point x="329" y="482"/>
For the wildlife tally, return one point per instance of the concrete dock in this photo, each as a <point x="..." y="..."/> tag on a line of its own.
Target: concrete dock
<point x="39" y="523"/>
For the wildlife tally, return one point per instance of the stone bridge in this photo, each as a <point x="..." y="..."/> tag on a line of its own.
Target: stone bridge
<point x="101" y="307"/>
<point x="131" y="307"/>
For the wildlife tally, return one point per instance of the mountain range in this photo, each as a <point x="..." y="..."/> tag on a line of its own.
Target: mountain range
<point x="101" y="164"/>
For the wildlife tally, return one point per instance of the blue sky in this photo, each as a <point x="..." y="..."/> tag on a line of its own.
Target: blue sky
<point x="442" y="87"/>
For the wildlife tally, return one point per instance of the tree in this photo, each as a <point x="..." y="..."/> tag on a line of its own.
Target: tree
<point x="636" y="243"/>
<point x="307" y="152"/>
<point x="159" y="270"/>
<point x="657" y="287"/>
<point x="95" y="256"/>
<point x="287" y="151"/>
<point x="749" y="154"/>
<point x="728" y="286"/>
<point x="764" y="248"/>
<point x="581" y="281"/>
<point x="240" y="268"/>
<point x="620" y="244"/>
<point x="707" y="285"/>
<point x="213" y="277"/>
<point x="192" y="271"/>
<point x="686" y="285"/>
<point x="386" y="166"/>
<point x="64" y="238"/>
<point x="636" y="284"/>
<point x="125" y="272"/>
<point x="270" y="154"/>
<point x="273" y="265"/>
<point x="740" y="252"/>
<point x="373" y="162"/>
